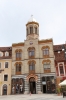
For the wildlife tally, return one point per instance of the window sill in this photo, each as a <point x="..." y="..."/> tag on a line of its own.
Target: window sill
<point x="18" y="58"/>
<point x="30" y="57"/>
<point x="18" y="73"/>
<point x="45" y="56"/>
<point x="47" y="71"/>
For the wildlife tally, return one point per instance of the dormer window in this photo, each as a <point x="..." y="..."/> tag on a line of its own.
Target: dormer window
<point x="1" y="54"/>
<point x="6" y="53"/>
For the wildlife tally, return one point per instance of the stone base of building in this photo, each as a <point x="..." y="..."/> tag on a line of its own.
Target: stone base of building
<point x="26" y="92"/>
<point x="39" y="92"/>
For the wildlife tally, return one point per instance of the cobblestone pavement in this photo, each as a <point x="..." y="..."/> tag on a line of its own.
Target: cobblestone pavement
<point x="33" y="97"/>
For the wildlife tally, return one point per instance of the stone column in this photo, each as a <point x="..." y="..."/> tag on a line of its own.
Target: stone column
<point x="26" y="88"/>
<point x="39" y="85"/>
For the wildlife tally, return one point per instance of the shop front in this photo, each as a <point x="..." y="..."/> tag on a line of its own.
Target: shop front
<point x="17" y="86"/>
<point x="48" y="84"/>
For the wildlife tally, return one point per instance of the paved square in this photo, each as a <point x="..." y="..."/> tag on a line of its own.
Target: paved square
<point x="33" y="97"/>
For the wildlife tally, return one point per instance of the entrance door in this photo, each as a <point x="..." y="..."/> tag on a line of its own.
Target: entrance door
<point x="32" y="85"/>
<point x="5" y="89"/>
<point x="44" y="88"/>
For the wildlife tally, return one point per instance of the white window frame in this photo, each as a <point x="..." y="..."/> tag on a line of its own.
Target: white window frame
<point x="59" y="68"/>
<point x="6" y="54"/>
<point x="8" y="64"/>
<point x="3" y="77"/>
<point x="1" y="54"/>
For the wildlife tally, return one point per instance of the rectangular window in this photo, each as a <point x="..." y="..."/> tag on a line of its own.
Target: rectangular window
<point x="61" y="69"/>
<point x="0" y="65"/>
<point x="46" y="66"/>
<point x="5" y="77"/>
<point x="35" y="30"/>
<point x="6" y="64"/>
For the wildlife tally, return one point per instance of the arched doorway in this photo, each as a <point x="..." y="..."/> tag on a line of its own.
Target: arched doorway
<point x="4" y="89"/>
<point x="32" y="85"/>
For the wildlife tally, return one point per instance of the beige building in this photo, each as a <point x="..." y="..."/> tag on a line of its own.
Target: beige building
<point x="33" y="68"/>
<point x="5" y="70"/>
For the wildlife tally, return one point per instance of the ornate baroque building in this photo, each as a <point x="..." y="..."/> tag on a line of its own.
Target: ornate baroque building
<point x="33" y="68"/>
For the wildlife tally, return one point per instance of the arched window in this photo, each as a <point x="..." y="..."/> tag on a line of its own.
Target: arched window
<point x="31" y="66"/>
<point x="18" y="68"/>
<point x="31" y="52"/>
<point x="18" y="54"/>
<point x="1" y="54"/>
<point x="6" y="53"/>
<point x="45" y="51"/>
<point x="61" y="69"/>
<point x="4" y="89"/>
<point x="47" y="66"/>
<point x="31" y="30"/>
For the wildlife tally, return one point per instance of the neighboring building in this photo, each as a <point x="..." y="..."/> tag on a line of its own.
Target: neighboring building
<point x="5" y="70"/>
<point x="33" y="68"/>
<point x="60" y="62"/>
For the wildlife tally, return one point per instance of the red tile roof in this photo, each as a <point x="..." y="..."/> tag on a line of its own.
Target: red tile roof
<point x="59" y="56"/>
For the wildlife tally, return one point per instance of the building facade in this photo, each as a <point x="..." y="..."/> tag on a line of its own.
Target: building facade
<point x="33" y="67"/>
<point x="60" y="62"/>
<point x="5" y="70"/>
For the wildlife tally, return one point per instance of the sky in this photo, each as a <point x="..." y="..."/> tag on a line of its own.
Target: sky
<point x="14" y="14"/>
